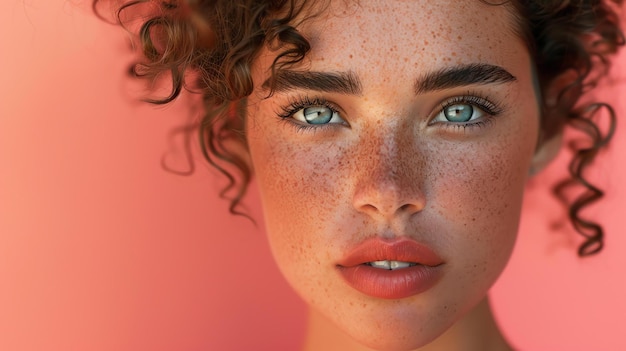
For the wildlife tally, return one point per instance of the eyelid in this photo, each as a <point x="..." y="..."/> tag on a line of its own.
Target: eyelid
<point x="474" y="99"/>
<point x="300" y="102"/>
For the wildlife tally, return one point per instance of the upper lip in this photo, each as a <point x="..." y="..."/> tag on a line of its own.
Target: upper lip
<point x="396" y="249"/>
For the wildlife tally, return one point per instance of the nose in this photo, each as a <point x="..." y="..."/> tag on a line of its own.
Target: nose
<point x="390" y="180"/>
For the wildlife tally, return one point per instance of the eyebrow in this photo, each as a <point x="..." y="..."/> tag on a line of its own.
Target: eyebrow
<point x="331" y="82"/>
<point x="470" y="74"/>
<point x="349" y="83"/>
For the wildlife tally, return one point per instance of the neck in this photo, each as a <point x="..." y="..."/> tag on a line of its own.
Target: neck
<point x="476" y="331"/>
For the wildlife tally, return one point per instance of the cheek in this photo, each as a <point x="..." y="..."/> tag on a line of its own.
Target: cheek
<point x="299" y="185"/>
<point x="477" y="198"/>
<point x="480" y="185"/>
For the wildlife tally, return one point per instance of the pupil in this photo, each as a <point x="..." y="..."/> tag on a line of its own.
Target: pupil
<point x="459" y="113"/>
<point x="318" y="114"/>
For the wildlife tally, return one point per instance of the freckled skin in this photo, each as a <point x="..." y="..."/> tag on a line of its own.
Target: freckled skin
<point x="388" y="171"/>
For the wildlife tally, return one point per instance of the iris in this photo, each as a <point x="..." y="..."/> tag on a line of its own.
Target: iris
<point x="459" y="112"/>
<point x="318" y="114"/>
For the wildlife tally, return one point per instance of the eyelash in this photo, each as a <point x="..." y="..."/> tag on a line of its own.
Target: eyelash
<point x="471" y="98"/>
<point x="474" y="99"/>
<point x="303" y="102"/>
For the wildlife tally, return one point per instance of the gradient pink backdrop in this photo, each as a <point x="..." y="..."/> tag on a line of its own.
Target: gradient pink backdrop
<point x="100" y="249"/>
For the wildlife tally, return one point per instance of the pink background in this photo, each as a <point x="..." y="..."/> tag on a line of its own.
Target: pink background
<point x="100" y="249"/>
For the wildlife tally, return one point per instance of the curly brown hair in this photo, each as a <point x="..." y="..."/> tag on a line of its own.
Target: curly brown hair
<point x="210" y="46"/>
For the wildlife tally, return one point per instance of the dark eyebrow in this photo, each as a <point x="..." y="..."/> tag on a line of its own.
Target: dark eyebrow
<point x="349" y="83"/>
<point x="331" y="82"/>
<point x="475" y="73"/>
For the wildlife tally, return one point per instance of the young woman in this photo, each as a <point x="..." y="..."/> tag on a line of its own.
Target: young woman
<point x="391" y="142"/>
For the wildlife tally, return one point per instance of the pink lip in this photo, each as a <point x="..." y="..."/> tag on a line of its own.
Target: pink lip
<point x="391" y="284"/>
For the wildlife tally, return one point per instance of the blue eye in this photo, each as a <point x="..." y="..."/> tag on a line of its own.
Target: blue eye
<point x="459" y="113"/>
<point x="465" y="110"/>
<point x="317" y="114"/>
<point x="312" y="113"/>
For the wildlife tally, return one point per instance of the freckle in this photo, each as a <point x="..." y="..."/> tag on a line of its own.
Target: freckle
<point x="351" y="56"/>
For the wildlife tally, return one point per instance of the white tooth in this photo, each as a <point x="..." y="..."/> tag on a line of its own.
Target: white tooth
<point x="380" y="264"/>
<point x="399" y="264"/>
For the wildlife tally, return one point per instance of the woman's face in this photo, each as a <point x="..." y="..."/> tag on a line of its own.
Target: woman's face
<point x="406" y="135"/>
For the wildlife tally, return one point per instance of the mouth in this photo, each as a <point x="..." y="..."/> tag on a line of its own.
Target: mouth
<point x="390" y="265"/>
<point x="391" y="269"/>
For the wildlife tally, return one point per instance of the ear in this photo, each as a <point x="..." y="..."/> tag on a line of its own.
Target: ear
<point x="563" y="91"/>
<point x="559" y="97"/>
<point x="545" y="153"/>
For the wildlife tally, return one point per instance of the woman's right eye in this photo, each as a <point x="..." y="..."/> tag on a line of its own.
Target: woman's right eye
<point x="317" y="114"/>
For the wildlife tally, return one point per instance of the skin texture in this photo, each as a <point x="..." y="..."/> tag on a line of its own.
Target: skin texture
<point x="393" y="168"/>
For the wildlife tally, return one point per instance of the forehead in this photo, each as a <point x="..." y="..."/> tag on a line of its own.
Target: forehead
<point x="417" y="33"/>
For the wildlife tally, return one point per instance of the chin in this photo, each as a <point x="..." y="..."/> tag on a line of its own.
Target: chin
<point x="395" y="342"/>
<point x="399" y="332"/>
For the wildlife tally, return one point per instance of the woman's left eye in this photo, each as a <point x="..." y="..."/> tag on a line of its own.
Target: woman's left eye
<point x="466" y="110"/>
<point x="459" y="113"/>
<point x="317" y="114"/>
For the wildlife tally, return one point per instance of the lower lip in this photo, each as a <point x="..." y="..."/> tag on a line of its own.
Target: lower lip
<point x="391" y="284"/>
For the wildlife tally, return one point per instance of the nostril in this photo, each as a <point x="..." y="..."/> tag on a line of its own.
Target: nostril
<point x="411" y="207"/>
<point x="388" y="199"/>
<point x="381" y="210"/>
<point x="369" y="207"/>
